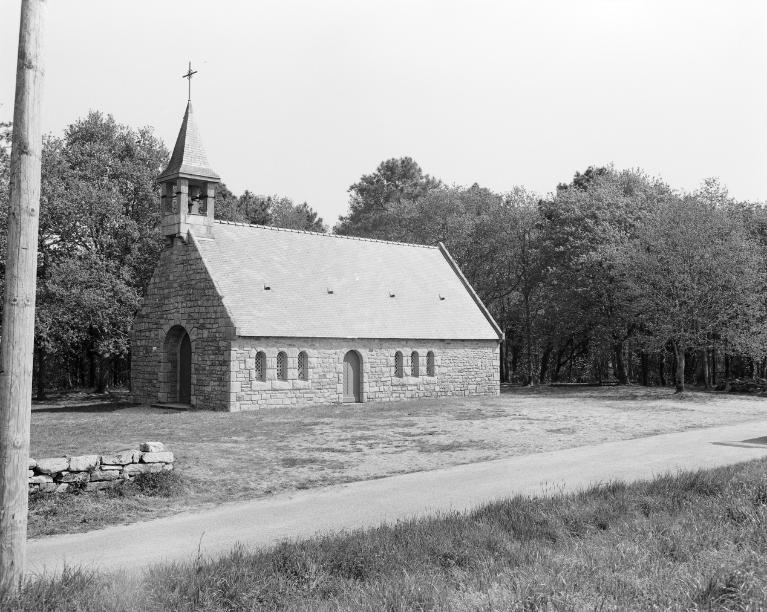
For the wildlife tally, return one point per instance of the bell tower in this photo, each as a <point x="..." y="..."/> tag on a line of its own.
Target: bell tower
<point x="188" y="184"/>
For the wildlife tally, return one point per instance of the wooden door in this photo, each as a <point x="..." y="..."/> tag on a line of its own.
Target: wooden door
<point x="185" y="370"/>
<point x="352" y="377"/>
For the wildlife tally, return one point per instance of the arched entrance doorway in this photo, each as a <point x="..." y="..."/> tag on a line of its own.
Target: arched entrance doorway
<point x="178" y="356"/>
<point x="185" y="370"/>
<point x="352" y="377"/>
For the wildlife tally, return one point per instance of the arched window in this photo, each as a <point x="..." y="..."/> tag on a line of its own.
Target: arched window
<point x="261" y="366"/>
<point x="303" y="366"/>
<point x="430" y="363"/>
<point x="399" y="370"/>
<point x="282" y="365"/>
<point x="414" y="363"/>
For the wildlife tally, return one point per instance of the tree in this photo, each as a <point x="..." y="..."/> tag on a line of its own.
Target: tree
<point x="505" y="266"/>
<point x="227" y="205"/>
<point x="374" y="196"/>
<point x="284" y="213"/>
<point x="274" y="210"/>
<point x="585" y="225"/>
<point x="255" y="208"/>
<point x="693" y="271"/>
<point x="99" y="241"/>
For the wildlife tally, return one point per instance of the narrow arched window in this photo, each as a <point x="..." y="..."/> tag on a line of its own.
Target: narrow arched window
<point x="260" y="366"/>
<point x="430" y="363"/>
<point x="399" y="370"/>
<point x="414" y="363"/>
<point x="282" y="365"/>
<point x="303" y="366"/>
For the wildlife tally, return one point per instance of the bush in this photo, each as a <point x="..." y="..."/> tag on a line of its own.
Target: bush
<point x="160" y="484"/>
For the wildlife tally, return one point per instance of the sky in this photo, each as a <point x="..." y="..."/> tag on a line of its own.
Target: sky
<point x="301" y="98"/>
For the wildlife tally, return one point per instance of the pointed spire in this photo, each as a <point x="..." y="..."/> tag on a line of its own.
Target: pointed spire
<point x="188" y="158"/>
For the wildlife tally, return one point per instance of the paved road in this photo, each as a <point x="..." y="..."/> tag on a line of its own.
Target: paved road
<point x="263" y="522"/>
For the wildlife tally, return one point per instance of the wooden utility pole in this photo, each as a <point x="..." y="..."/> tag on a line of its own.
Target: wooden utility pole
<point x="19" y="301"/>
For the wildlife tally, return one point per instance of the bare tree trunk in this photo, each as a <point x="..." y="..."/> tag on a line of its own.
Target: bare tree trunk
<point x="644" y="365"/>
<point x="680" y="361"/>
<point x="502" y="359"/>
<point x="529" y="341"/>
<point x="706" y="370"/>
<point x="16" y="348"/>
<point x="102" y="374"/>
<point x="545" y="358"/>
<point x="620" y="364"/>
<point x="702" y="376"/>
<point x="557" y="366"/>
<point x="91" y="369"/>
<point x="515" y="357"/>
<point x="42" y="373"/>
<point x="662" y="367"/>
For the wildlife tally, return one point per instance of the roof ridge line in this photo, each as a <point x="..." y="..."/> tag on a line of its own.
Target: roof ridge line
<point x="325" y="234"/>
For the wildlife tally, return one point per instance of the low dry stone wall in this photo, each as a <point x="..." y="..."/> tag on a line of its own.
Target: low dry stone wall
<point x="95" y="472"/>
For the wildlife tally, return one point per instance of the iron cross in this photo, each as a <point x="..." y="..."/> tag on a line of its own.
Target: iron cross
<point x="188" y="75"/>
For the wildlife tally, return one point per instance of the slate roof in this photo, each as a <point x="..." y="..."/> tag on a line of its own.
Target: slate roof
<point x="188" y="158"/>
<point x="303" y="268"/>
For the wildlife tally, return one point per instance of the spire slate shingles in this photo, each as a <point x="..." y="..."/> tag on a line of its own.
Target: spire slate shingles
<point x="188" y="158"/>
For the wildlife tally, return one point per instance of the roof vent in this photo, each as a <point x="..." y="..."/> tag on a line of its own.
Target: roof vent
<point x="392" y="294"/>
<point x="267" y="287"/>
<point x="441" y="297"/>
<point x="330" y="290"/>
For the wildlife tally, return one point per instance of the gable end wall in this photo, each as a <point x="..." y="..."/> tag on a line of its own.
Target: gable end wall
<point x="181" y="292"/>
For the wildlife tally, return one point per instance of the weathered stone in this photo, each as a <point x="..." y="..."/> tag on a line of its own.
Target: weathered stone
<point x="97" y="486"/>
<point x="30" y="473"/>
<point x="165" y="457"/>
<point x="48" y="487"/>
<point x="103" y="475"/>
<point x="83" y="463"/>
<point x="142" y="468"/>
<point x="168" y="467"/>
<point x="152" y="447"/>
<point x="74" y="477"/>
<point x="53" y="465"/>
<point x="120" y="458"/>
<point x="32" y="464"/>
<point x="108" y="468"/>
<point x="62" y="488"/>
<point x="43" y="478"/>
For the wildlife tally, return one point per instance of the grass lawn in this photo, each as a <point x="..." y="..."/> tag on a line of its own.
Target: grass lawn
<point x="230" y="457"/>
<point x="695" y="540"/>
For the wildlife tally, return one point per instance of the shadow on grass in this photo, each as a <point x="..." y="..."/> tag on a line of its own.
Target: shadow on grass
<point x="615" y="393"/>
<point x="86" y="408"/>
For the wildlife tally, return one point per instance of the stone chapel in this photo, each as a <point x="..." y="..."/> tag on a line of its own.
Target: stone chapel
<point x="243" y="317"/>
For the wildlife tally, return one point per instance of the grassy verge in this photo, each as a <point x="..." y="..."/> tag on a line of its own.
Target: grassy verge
<point x="243" y="456"/>
<point x="694" y="540"/>
<point x="51" y="513"/>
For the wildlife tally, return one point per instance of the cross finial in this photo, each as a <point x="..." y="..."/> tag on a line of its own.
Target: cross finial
<point x="188" y="75"/>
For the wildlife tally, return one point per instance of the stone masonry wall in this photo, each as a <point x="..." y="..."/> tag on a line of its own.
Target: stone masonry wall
<point x="462" y="367"/>
<point x="180" y="295"/>
<point x="95" y="472"/>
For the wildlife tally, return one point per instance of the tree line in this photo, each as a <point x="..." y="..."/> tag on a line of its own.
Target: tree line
<point x="614" y="277"/>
